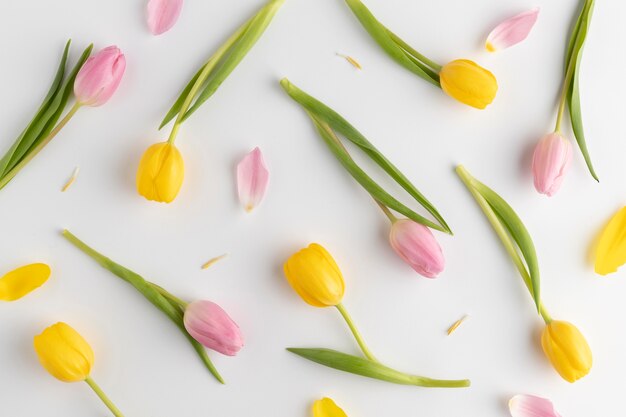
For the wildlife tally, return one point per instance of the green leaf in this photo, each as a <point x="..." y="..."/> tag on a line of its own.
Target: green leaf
<point x="40" y="119"/>
<point x="181" y="99"/>
<point x="395" y="47"/>
<point x="325" y="116"/>
<point x="172" y="310"/>
<point x="367" y="368"/>
<point x="574" y="89"/>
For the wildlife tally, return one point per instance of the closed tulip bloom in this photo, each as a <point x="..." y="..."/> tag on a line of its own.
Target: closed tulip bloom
<point x="567" y="350"/>
<point x="315" y="276"/>
<point x="209" y="324"/>
<point x="469" y="83"/>
<point x="98" y="79"/>
<point x="161" y="172"/>
<point x="416" y="245"/>
<point x="64" y="353"/>
<point x="551" y="160"/>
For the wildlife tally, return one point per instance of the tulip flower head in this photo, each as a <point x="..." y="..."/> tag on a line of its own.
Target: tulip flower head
<point x="417" y="246"/>
<point x="98" y="79"/>
<point x="611" y="248"/>
<point x="209" y="324"/>
<point x="161" y="172"/>
<point x="567" y="350"/>
<point x="469" y="83"/>
<point x="551" y="160"/>
<point x="315" y="276"/>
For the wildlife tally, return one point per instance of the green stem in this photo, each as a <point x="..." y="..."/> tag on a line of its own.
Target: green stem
<point x="502" y="233"/>
<point x="206" y="72"/>
<point x="13" y="172"/>
<point x="356" y="333"/>
<point x="116" y="412"/>
<point x="169" y="296"/>
<point x="565" y="88"/>
<point x="392" y="218"/>
<point x="432" y="64"/>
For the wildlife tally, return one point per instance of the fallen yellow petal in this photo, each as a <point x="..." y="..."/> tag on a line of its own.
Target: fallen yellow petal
<point x="457" y="324"/>
<point x="327" y="408"/>
<point x="213" y="261"/>
<point x="21" y="281"/>
<point x="611" y="250"/>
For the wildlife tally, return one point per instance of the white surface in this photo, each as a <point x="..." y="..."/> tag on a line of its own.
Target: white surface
<point x="144" y="363"/>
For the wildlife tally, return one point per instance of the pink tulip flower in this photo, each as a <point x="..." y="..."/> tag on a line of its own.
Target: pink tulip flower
<point x="417" y="246"/>
<point x="252" y="179"/>
<point x="98" y="79"/>
<point x="551" y="161"/>
<point x="531" y="406"/>
<point x="163" y="14"/>
<point x="212" y="327"/>
<point x="512" y="31"/>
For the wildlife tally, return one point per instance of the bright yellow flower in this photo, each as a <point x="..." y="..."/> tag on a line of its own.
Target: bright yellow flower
<point x="469" y="83"/>
<point x="567" y="350"/>
<point x="64" y="353"/>
<point x="21" y="281"/>
<point x="315" y="276"/>
<point x="611" y="250"/>
<point x="327" y="408"/>
<point x="161" y="173"/>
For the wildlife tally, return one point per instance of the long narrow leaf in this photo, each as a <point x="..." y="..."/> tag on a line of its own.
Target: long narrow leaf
<point x="344" y="128"/>
<point x="175" y="109"/>
<point x="38" y="122"/>
<point x="370" y="369"/>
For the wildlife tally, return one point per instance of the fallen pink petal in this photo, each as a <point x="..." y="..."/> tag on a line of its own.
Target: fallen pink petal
<point x="163" y="14"/>
<point x="252" y="179"/>
<point x="512" y="31"/>
<point x="531" y="406"/>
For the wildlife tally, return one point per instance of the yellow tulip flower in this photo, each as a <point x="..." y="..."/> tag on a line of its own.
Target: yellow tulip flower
<point x="69" y="358"/>
<point x="611" y="250"/>
<point x="22" y="281"/>
<point x="567" y="350"/>
<point x="469" y="83"/>
<point x="327" y="408"/>
<point x="315" y="276"/>
<point x="161" y="172"/>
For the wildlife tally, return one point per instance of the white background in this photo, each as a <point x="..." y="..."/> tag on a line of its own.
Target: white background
<point x="144" y="363"/>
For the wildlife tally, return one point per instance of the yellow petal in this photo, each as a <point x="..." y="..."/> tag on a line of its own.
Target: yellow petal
<point x="611" y="250"/>
<point x="21" y="281"/>
<point x="327" y="408"/>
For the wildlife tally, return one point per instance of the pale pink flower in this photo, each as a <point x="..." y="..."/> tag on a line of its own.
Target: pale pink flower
<point x="417" y="246"/>
<point x="531" y="406"/>
<point x="551" y="160"/>
<point x="163" y="14"/>
<point x="212" y="327"/>
<point x="252" y="179"/>
<point x="98" y="79"/>
<point x="512" y="31"/>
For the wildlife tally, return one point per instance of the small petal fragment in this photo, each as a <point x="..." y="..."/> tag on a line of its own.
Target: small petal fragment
<point x="611" y="251"/>
<point x="252" y="179"/>
<point x="22" y="281"/>
<point x="531" y="406"/>
<point x="163" y="14"/>
<point x="327" y="408"/>
<point x="512" y="31"/>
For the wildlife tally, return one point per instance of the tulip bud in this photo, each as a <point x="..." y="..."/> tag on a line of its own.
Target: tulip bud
<point x="99" y="77"/>
<point x="64" y="353"/>
<point x="469" y="83"/>
<point x="416" y="245"/>
<point x="161" y="172"/>
<point x="551" y="161"/>
<point x="567" y="350"/>
<point x="212" y="327"/>
<point x="315" y="276"/>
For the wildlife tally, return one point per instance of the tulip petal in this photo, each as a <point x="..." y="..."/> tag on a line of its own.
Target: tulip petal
<point x="252" y="179"/>
<point x="163" y="14"/>
<point x="327" y="408"/>
<point x="611" y="251"/>
<point x="22" y="281"/>
<point x="531" y="406"/>
<point x="512" y="31"/>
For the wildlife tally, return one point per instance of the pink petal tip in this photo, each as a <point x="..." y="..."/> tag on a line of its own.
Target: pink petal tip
<point x="512" y="31"/>
<point x="252" y="179"/>
<point x="163" y="14"/>
<point x="531" y="406"/>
